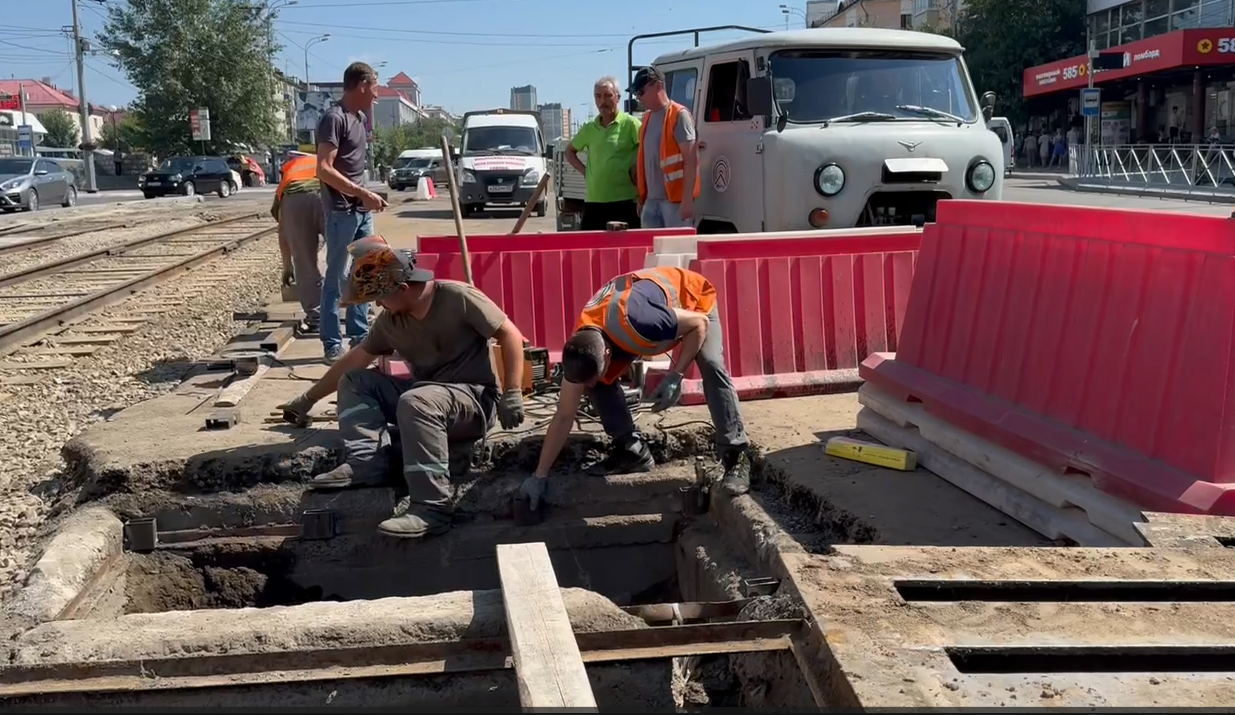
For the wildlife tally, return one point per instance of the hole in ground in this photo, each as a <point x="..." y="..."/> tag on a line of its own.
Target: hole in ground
<point x="1068" y="591"/>
<point x="1094" y="659"/>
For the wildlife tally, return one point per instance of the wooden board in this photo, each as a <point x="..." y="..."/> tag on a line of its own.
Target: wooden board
<point x="231" y="395"/>
<point x="548" y="665"/>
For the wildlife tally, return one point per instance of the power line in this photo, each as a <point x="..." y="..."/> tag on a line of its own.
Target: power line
<point x="389" y="3"/>
<point x="108" y="77"/>
<point x="24" y="47"/>
<point x="445" y="32"/>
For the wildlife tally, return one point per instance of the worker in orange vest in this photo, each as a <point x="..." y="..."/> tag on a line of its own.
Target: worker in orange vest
<point x="640" y="315"/>
<point x="668" y="161"/>
<point x="298" y="209"/>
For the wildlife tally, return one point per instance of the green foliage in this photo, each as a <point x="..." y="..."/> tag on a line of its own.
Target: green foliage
<point x="62" y="132"/>
<point x="1003" y="38"/>
<point x="186" y="54"/>
<point x="389" y="143"/>
<point x="126" y="135"/>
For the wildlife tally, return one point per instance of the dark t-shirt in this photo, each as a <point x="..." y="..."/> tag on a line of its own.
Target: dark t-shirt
<point x="346" y="131"/>
<point x="649" y="314"/>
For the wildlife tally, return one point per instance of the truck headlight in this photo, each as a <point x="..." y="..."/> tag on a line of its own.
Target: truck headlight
<point x="531" y="178"/>
<point x="829" y="180"/>
<point x="981" y="177"/>
<point x="468" y="177"/>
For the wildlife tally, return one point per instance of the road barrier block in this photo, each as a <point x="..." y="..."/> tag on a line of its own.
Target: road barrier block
<point x="1095" y="341"/>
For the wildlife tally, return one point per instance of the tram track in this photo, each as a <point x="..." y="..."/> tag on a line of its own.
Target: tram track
<point x="42" y="298"/>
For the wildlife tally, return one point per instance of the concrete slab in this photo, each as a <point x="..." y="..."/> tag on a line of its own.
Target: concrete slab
<point x="894" y="640"/>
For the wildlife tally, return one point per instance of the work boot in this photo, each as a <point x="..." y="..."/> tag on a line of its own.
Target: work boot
<point x="341" y="477"/>
<point x="629" y="456"/>
<point x="334" y="353"/>
<point x="736" y="480"/>
<point x="416" y="522"/>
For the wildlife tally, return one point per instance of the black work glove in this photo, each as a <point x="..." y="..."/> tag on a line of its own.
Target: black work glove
<point x="533" y="489"/>
<point x="510" y="409"/>
<point x="296" y="410"/>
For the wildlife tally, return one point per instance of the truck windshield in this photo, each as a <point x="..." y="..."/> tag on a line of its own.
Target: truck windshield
<point x="411" y="163"/>
<point x="500" y="140"/>
<point x="821" y="85"/>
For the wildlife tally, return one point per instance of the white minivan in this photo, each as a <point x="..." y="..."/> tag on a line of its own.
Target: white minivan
<point x="500" y="160"/>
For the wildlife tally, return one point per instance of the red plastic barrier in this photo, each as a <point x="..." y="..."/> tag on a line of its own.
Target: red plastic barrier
<point x="799" y="315"/>
<point x="543" y="280"/>
<point x="1091" y="340"/>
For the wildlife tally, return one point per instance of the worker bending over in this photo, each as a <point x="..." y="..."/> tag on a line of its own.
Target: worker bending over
<point x="298" y="209"/>
<point x="635" y="315"/>
<point x="442" y="329"/>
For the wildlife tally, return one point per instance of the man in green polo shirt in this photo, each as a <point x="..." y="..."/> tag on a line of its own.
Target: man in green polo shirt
<point x="611" y="142"/>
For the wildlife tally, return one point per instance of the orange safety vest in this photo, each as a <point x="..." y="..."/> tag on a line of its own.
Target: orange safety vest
<point x="302" y="168"/>
<point x="606" y="310"/>
<point x="671" y="160"/>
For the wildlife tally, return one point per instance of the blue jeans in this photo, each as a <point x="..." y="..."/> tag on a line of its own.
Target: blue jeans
<point x="342" y="227"/>
<point x="660" y="213"/>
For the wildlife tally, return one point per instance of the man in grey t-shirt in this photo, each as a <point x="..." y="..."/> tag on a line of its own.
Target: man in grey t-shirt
<point x="341" y="146"/>
<point x="668" y="185"/>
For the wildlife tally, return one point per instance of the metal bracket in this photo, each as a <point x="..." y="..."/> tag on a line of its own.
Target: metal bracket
<point x="142" y="534"/>
<point x="760" y="586"/>
<point x="317" y="524"/>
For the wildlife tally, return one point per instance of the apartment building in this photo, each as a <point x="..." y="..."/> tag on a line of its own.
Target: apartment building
<point x="523" y="98"/>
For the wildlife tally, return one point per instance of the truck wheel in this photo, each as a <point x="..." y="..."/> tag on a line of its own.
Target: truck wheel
<point x="540" y="209"/>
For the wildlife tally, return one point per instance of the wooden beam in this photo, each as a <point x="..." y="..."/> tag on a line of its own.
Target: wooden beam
<point x="231" y="395"/>
<point x="548" y="665"/>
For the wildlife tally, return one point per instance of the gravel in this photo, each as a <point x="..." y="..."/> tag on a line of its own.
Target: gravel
<point x="36" y="420"/>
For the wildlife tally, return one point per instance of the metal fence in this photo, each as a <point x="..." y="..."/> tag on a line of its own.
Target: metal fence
<point x="1176" y="166"/>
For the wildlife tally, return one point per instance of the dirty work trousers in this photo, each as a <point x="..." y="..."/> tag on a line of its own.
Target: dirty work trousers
<point x="718" y="390"/>
<point x="431" y="419"/>
<point x="342" y="227"/>
<point x="300" y="229"/>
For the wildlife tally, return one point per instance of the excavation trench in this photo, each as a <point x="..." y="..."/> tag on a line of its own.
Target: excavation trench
<point x="238" y="575"/>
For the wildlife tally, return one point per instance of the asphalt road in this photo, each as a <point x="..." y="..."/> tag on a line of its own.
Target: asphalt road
<point x="1038" y="191"/>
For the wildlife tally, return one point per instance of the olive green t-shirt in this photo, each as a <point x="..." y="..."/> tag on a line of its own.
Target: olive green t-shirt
<point x="451" y="343"/>
<point x="611" y="152"/>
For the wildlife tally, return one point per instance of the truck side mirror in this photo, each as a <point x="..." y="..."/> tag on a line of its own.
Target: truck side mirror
<point x="759" y="96"/>
<point x="988" y="99"/>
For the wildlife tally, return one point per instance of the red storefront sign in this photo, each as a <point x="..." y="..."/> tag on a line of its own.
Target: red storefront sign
<point x="1185" y="48"/>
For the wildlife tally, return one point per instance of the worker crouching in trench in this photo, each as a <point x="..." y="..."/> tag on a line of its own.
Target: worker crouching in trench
<point x="442" y="329"/>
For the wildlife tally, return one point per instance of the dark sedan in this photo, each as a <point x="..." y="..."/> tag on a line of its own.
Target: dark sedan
<point x="187" y="176"/>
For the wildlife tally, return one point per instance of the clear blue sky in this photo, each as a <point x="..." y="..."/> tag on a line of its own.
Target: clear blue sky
<point x="465" y="54"/>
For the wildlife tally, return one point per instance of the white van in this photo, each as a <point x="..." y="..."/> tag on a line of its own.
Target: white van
<point x="1003" y="129"/>
<point x="500" y="160"/>
<point x="832" y="128"/>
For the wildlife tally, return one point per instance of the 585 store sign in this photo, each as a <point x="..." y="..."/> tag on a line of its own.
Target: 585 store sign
<point x="1224" y="46"/>
<point x="1075" y="72"/>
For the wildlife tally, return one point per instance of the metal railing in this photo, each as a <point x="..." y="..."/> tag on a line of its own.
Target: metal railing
<point x="1178" y="166"/>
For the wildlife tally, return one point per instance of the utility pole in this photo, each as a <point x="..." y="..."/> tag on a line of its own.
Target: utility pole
<point x="87" y="140"/>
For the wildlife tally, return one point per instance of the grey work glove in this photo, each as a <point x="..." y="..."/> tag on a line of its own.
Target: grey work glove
<point x="510" y="409"/>
<point x="289" y="276"/>
<point x="533" y="489"/>
<point x="296" y="411"/>
<point x="667" y="393"/>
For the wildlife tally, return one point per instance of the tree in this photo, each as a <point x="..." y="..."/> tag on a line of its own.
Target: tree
<point x="188" y="54"/>
<point x="62" y="132"/>
<point x="126" y="135"/>
<point x="388" y="143"/>
<point x="1003" y="38"/>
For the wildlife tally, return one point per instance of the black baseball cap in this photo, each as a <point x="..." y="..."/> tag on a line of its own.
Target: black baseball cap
<point x="644" y="77"/>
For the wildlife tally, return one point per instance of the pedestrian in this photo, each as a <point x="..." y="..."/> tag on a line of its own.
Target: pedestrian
<point x="1044" y="148"/>
<point x="668" y="161"/>
<point x="442" y="329"/>
<point x="635" y="315"/>
<point x="1031" y="149"/>
<point x="611" y="142"/>
<point x="341" y="155"/>
<point x="297" y="208"/>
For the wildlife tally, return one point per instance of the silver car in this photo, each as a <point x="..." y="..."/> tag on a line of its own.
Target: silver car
<point x="28" y="184"/>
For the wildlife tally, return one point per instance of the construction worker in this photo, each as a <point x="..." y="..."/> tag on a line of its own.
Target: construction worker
<point x="298" y="209"/>
<point x="442" y="329"/>
<point x="642" y="314"/>
<point x="668" y="161"/>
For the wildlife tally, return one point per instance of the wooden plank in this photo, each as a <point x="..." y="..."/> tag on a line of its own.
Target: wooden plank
<point x="84" y="340"/>
<point x="41" y="365"/>
<point x="76" y="350"/>
<point x="548" y="665"/>
<point x="109" y="329"/>
<point x="231" y="395"/>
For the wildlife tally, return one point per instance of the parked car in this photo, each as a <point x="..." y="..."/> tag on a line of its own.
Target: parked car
<point x="28" y="183"/>
<point x="407" y="172"/>
<point x="189" y="175"/>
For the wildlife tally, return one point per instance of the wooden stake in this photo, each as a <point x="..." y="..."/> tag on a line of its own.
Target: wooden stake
<point x="454" y="205"/>
<point x="531" y="204"/>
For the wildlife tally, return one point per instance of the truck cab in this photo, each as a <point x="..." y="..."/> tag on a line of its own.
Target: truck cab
<point x="832" y="128"/>
<point x="501" y="159"/>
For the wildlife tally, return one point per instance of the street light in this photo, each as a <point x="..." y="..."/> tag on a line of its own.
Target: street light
<point x="117" y="157"/>
<point x="788" y="11"/>
<point x="307" y="45"/>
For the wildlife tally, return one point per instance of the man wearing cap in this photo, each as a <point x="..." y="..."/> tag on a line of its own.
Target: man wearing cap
<point x="642" y="314"/>
<point x="442" y="329"/>
<point x="668" y="161"/>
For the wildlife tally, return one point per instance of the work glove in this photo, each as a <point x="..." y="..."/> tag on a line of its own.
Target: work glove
<point x="510" y="409"/>
<point x="667" y="393"/>
<point x="289" y="276"/>
<point x="296" y="411"/>
<point x="533" y="489"/>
